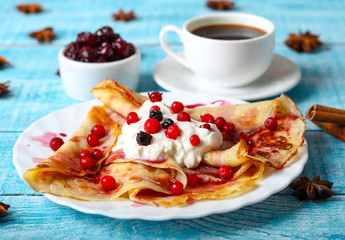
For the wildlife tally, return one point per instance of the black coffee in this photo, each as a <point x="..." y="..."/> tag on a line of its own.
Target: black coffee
<point x="228" y="32"/>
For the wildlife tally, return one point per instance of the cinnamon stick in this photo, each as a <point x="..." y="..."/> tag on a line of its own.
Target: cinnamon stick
<point x="319" y="113"/>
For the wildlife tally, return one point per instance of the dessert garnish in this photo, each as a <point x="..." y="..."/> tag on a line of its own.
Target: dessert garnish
<point x="3" y="62"/>
<point x="55" y="143"/>
<point x="102" y="46"/>
<point x="313" y="189"/>
<point x="44" y="35"/>
<point x="108" y="183"/>
<point x="303" y="42"/>
<point x="29" y="8"/>
<point x="4" y="88"/>
<point x="331" y="120"/>
<point x="3" y="209"/>
<point x="124" y="16"/>
<point x="143" y="138"/>
<point x="220" y="5"/>
<point x="155" y="96"/>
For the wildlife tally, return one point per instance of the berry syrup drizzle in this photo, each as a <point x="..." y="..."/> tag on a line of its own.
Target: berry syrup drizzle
<point x="44" y="139"/>
<point x="220" y="102"/>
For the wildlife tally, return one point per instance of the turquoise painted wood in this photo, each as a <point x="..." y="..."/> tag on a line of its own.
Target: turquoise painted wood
<point x="36" y="91"/>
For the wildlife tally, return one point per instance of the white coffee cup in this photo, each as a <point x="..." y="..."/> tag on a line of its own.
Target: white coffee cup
<point x="224" y="63"/>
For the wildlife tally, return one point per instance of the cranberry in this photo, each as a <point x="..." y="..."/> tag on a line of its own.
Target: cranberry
<point x="229" y="128"/>
<point x="157" y="114"/>
<point x="97" y="154"/>
<point x="155" y="96"/>
<point x="192" y="180"/>
<point x="206" y="125"/>
<point x="155" y="107"/>
<point x="177" y="107"/>
<point x="56" y="143"/>
<point x="271" y="123"/>
<point x="225" y="171"/>
<point x="167" y="122"/>
<point x="87" y="162"/>
<point x="143" y="138"/>
<point x="207" y="118"/>
<point x="71" y="50"/>
<point x="84" y="153"/>
<point x="99" y="130"/>
<point x="183" y="117"/>
<point x="152" y="126"/>
<point x="124" y="48"/>
<point x="132" y="117"/>
<point x="220" y="121"/>
<point x="173" y="132"/>
<point x="86" y="38"/>
<point x="93" y="140"/>
<point x="194" y="140"/>
<point x="105" y="33"/>
<point x="108" y="183"/>
<point x="176" y="188"/>
<point x="87" y="54"/>
<point x="106" y="51"/>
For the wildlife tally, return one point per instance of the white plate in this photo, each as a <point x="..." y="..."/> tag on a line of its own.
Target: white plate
<point x="68" y="120"/>
<point x="281" y="76"/>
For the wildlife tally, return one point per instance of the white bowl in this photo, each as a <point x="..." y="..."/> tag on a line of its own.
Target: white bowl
<point x="79" y="78"/>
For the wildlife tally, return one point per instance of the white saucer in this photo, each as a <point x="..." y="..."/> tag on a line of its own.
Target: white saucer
<point x="280" y="77"/>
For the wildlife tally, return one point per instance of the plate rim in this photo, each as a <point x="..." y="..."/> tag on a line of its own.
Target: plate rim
<point x="67" y="201"/>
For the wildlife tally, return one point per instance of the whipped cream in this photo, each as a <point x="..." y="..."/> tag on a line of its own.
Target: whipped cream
<point x="181" y="150"/>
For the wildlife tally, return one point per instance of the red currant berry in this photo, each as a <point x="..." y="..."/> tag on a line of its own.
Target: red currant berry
<point x="99" y="130"/>
<point x="155" y="96"/>
<point x="173" y="132"/>
<point x="155" y="107"/>
<point x="97" y="154"/>
<point x="177" y="107"/>
<point x="87" y="162"/>
<point x="132" y="117"/>
<point x="56" y="143"/>
<point x="194" y="140"/>
<point x="183" y="117"/>
<point x="207" y="118"/>
<point x="220" y="121"/>
<point x="192" y="180"/>
<point x="225" y="171"/>
<point x="229" y="128"/>
<point x="271" y="123"/>
<point x="152" y="126"/>
<point x="84" y="153"/>
<point x="92" y="140"/>
<point x="176" y="188"/>
<point x="108" y="183"/>
<point x="206" y="125"/>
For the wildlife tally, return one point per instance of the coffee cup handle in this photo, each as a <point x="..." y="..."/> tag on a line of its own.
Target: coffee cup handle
<point x="165" y="46"/>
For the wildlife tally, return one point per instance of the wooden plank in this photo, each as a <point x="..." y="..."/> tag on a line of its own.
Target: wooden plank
<point x="70" y="18"/>
<point x="325" y="159"/>
<point x="279" y="217"/>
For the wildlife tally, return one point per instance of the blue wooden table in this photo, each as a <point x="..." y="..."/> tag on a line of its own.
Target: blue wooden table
<point x="37" y="91"/>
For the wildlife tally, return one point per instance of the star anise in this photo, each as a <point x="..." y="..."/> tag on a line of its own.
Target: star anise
<point x="44" y="35"/>
<point x="3" y="209"/>
<point x="220" y="5"/>
<point x="303" y="42"/>
<point x="4" y="88"/>
<point x="123" y="16"/>
<point x="3" y="62"/>
<point x="29" y="8"/>
<point x="305" y="188"/>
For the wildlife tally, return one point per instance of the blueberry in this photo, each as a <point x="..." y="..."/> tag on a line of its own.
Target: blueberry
<point x="157" y="114"/>
<point x="143" y="138"/>
<point x="167" y="122"/>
